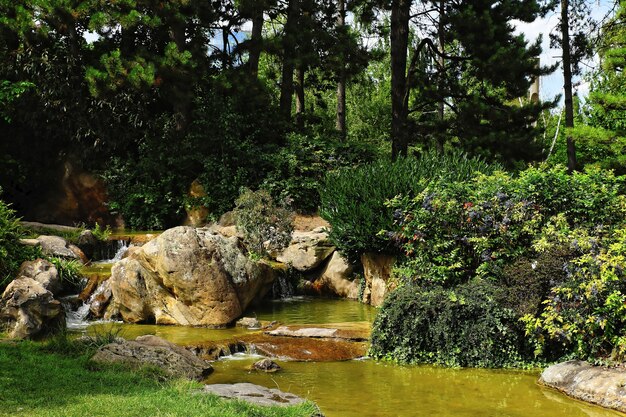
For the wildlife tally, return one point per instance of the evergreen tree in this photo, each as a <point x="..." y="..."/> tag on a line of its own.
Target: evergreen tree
<point x="465" y="60"/>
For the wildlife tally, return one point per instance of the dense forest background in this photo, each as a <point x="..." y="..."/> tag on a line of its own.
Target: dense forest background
<point x="171" y="105"/>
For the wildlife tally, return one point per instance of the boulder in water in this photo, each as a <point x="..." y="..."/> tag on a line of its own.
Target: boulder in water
<point x="254" y="394"/>
<point x="249" y="323"/>
<point x="377" y="271"/>
<point x="335" y="279"/>
<point x="594" y="384"/>
<point x="174" y="360"/>
<point x="28" y="310"/>
<point x="307" y="250"/>
<point x="187" y="276"/>
<point x="266" y="365"/>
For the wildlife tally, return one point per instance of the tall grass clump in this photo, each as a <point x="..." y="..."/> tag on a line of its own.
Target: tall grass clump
<point x="353" y="200"/>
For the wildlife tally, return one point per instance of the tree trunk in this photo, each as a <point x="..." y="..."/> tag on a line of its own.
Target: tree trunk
<point x="567" y="84"/>
<point x="341" y="85"/>
<point x="440" y="139"/>
<point x="289" y="50"/>
<point x="256" y="40"/>
<point x="400" y="10"/>
<point x="299" y="87"/>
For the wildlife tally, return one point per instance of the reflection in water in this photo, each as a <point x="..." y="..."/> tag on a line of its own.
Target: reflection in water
<point x="371" y="389"/>
<point x="366" y="388"/>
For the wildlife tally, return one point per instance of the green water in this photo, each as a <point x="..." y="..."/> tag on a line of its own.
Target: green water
<point x="96" y="268"/>
<point x="373" y="389"/>
<point x="366" y="388"/>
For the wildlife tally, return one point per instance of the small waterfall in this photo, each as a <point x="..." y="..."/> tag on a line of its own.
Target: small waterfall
<point x="122" y="247"/>
<point x="282" y="288"/>
<point x="76" y="319"/>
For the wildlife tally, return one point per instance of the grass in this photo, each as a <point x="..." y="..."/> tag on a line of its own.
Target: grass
<point x="35" y="382"/>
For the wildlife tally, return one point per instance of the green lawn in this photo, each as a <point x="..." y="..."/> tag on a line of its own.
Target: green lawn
<point x="34" y="383"/>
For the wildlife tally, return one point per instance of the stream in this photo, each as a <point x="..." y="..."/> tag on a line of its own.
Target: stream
<point x="367" y="388"/>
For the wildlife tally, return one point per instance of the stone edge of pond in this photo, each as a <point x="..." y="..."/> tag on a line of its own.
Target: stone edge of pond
<point x="255" y="394"/>
<point x="598" y="385"/>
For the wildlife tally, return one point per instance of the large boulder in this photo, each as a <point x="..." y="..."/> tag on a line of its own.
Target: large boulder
<point x="307" y="250"/>
<point x="377" y="271"/>
<point x="602" y="386"/>
<point x="44" y="273"/>
<point x="189" y="277"/>
<point x="174" y="360"/>
<point x="336" y="279"/>
<point x="28" y="310"/>
<point x="57" y="246"/>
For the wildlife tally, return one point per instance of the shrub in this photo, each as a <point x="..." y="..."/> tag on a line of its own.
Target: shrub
<point x="353" y="200"/>
<point x="452" y="232"/>
<point x="266" y="226"/>
<point x="527" y="282"/>
<point x="12" y="253"/>
<point x="300" y="167"/>
<point x="585" y="316"/>
<point x="464" y="326"/>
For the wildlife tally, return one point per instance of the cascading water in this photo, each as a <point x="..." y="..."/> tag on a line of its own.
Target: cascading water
<point x="77" y="319"/>
<point x="122" y="247"/>
<point x="282" y="288"/>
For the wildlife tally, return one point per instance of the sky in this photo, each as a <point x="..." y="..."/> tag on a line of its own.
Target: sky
<point x="552" y="85"/>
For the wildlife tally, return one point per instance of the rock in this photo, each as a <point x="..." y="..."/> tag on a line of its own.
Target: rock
<point x="305" y="349"/>
<point x="307" y="223"/>
<point x="307" y="250"/>
<point x="249" y="323"/>
<point x="254" y="394"/>
<point x="315" y="332"/>
<point x="88" y="243"/>
<point x="100" y="299"/>
<point x="196" y="214"/>
<point x="46" y="228"/>
<point x="335" y="279"/>
<point x="602" y="386"/>
<point x="44" y="273"/>
<point x="227" y="219"/>
<point x="226" y="231"/>
<point x="187" y="276"/>
<point x="358" y="332"/>
<point x="28" y="310"/>
<point x="377" y="271"/>
<point x="266" y="365"/>
<point x="57" y="246"/>
<point x="174" y="360"/>
<point x="30" y="242"/>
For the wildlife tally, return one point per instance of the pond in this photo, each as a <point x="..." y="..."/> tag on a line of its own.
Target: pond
<point x="367" y="388"/>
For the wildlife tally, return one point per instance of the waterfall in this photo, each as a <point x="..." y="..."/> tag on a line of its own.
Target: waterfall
<point x="77" y="319"/>
<point x="122" y="247"/>
<point x="282" y="288"/>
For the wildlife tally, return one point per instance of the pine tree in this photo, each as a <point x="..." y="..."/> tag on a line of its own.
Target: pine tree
<point x="466" y="60"/>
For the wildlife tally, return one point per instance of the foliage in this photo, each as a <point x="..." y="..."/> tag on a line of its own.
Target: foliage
<point x="464" y="326"/>
<point x="300" y="167"/>
<point x="451" y="232"/>
<point x="68" y="270"/>
<point x="585" y="315"/>
<point x="353" y="200"/>
<point x="266" y="226"/>
<point x="527" y="282"/>
<point x="81" y="387"/>
<point x="12" y="253"/>
<point x="100" y="233"/>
